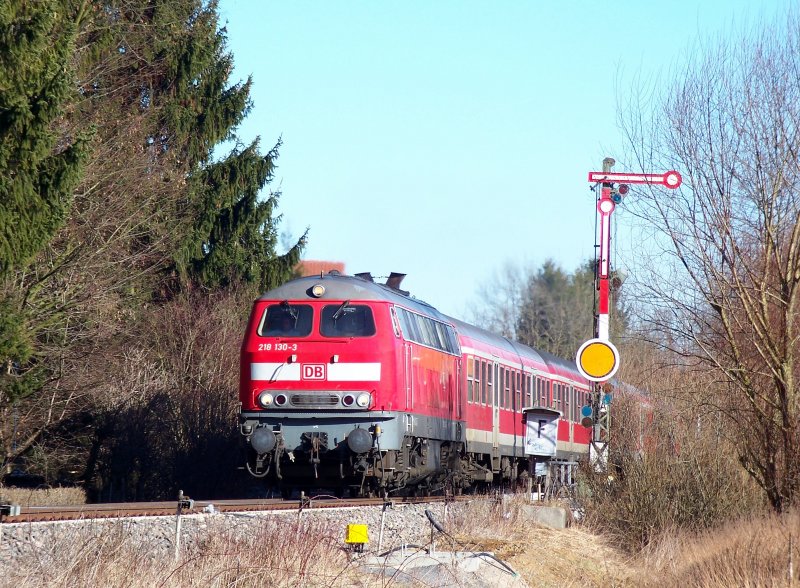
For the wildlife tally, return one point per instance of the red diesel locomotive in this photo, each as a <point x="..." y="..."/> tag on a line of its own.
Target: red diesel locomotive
<point x="350" y="384"/>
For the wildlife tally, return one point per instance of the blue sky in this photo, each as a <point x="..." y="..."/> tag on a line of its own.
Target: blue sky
<point x="443" y="139"/>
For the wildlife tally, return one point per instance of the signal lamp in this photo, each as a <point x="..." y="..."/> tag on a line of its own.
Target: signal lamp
<point x="363" y="400"/>
<point x="265" y="399"/>
<point x="348" y="400"/>
<point x="317" y="290"/>
<point x="623" y="189"/>
<point x="280" y="399"/>
<point x="587" y="422"/>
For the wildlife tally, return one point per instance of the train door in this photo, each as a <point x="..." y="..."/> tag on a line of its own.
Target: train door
<point x="459" y="389"/>
<point x="496" y="395"/>
<point x="409" y="374"/>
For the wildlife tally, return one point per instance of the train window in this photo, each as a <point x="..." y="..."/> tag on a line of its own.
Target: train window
<point x="483" y="382"/>
<point x="489" y="388"/>
<point x="500" y="382"/>
<point x="507" y="389"/>
<point x="517" y="392"/>
<point x="444" y="340"/>
<point x="575" y="404"/>
<point x="470" y="382"/>
<point x="395" y="323"/>
<point x="346" y="320"/>
<point x="567" y="402"/>
<point x="426" y="331"/>
<point x="454" y="348"/>
<point x="528" y="391"/>
<point x="286" y="320"/>
<point x="478" y="380"/>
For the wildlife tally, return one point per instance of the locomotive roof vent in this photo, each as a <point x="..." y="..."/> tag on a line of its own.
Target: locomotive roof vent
<point x="365" y="276"/>
<point x="394" y="281"/>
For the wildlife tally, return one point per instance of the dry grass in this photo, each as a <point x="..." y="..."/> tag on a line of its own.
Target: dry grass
<point x="753" y="552"/>
<point x="44" y="496"/>
<point x="544" y="557"/>
<point x="281" y="552"/>
<point x="272" y="552"/>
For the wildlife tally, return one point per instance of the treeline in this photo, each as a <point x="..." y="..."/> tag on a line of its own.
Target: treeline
<point x="134" y="233"/>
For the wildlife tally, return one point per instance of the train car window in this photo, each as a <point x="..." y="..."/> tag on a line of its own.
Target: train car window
<point x="470" y="382"/>
<point x="395" y="323"/>
<point x="483" y="382"/>
<point x="518" y="392"/>
<point x="528" y="391"/>
<point x="507" y="389"/>
<point x="575" y="403"/>
<point x="441" y="333"/>
<point x="568" y="402"/>
<point x="489" y="386"/>
<point x="454" y="340"/>
<point x="412" y="328"/>
<point x="286" y="320"/>
<point x="346" y="320"/>
<point x="477" y="387"/>
<point x="426" y="331"/>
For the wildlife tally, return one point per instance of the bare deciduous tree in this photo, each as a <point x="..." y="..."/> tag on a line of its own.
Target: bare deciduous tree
<point x="721" y="283"/>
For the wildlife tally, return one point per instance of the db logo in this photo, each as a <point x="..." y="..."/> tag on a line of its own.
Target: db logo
<point x="314" y="371"/>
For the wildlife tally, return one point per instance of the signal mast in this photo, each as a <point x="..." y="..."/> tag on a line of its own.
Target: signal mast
<point x="598" y="359"/>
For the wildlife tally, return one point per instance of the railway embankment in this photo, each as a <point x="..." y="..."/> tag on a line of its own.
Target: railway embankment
<point x="479" y="543"/>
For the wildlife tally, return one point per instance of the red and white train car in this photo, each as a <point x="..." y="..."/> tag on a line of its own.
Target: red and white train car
<point x="350" y="384"/>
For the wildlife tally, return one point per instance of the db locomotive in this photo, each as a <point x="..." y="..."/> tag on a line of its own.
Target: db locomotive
<point x="356" y="386"/>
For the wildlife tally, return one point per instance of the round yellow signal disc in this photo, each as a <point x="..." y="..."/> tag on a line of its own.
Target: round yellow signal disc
<point x="597" y="360"/>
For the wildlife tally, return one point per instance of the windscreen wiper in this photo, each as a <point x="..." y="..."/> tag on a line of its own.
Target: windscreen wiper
<point x="340" y="311"/>
<point x="288" y="307"/>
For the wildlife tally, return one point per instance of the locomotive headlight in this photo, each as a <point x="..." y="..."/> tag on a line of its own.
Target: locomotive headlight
<point x="363" y="400"/>
<point x="317" y="290"/>
<point x="348" y="400"/>
<point x="265" y="399"/>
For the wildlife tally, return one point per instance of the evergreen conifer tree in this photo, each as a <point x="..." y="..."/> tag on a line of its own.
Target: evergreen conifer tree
<point x="39" y="166"/>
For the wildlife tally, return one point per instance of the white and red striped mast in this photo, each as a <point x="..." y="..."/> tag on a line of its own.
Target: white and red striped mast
<point x="605" y="207"/>
<point x="598" y="358"/>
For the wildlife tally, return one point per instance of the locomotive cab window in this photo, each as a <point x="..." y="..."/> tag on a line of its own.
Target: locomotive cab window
<point x="286" y="320"/>
<point x="346" y="320"/>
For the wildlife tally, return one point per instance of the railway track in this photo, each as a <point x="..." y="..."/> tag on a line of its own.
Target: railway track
<point x="186" y="506"/>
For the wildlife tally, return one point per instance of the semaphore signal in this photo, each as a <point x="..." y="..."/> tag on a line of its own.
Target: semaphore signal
<point x="598" y="359"/>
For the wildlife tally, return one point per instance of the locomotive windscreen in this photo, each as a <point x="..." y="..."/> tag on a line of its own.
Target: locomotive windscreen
<point x="346" y="320"/>
<point x="286" y="320"/>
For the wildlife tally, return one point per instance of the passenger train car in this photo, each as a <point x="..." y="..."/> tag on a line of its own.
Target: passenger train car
<point x="354" y="385"/>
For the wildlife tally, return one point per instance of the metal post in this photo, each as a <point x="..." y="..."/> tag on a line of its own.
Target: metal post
<point x="383" y="517"/>
<point x="183" y="502"/>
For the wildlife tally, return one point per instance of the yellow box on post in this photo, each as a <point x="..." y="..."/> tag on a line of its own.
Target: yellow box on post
<point x="357" y="536"/>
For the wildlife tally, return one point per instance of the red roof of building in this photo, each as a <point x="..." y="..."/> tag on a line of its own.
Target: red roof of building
<point x="312" y="267"/>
